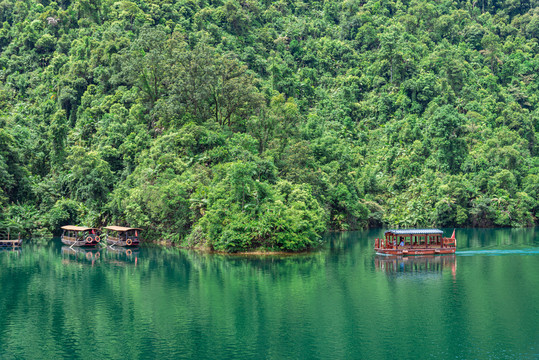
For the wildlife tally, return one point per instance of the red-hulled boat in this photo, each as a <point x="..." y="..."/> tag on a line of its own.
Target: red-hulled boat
<point x="415" y="242"/>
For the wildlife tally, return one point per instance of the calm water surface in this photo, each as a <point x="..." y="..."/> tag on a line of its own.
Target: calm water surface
<point x="341" y="302"/>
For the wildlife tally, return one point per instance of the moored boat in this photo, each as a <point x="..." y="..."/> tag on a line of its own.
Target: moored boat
<point x="80" y="236"/>
<point x="415" y="242"/>
<point x="122" y="236"/>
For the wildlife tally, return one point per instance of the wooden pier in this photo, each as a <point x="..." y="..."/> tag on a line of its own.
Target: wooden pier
<point x="8" y="240"/>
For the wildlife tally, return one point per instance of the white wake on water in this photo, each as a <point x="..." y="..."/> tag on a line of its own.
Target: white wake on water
<point x="494" y="252"/>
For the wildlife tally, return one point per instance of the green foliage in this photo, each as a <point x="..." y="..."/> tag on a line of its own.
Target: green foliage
<point x="89" y="177"/>
<point x="448" y="145"/>
<point x="63" y="212"/>
<point x="238" y="125"/>
<point x="244" y="213"/>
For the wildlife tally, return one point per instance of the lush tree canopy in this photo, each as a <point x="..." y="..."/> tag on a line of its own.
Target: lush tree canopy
<point x="250" y="124"/>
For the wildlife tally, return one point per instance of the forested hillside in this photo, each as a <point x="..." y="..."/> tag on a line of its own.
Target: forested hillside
<point x="244" y="124"/>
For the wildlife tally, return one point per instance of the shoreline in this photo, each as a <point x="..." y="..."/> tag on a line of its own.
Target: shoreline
<point x="256" y="252"/>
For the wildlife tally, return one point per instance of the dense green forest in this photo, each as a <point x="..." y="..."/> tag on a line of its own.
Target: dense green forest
<point x="245" y="124"/>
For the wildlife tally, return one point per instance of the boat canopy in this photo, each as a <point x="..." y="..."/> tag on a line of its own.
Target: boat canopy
<point x="77" y="228"/>
<point x="414" y="232"/>
<point x="120" y="228"/>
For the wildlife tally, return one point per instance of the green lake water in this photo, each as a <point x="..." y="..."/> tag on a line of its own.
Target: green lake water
<point x="341" y="302"/>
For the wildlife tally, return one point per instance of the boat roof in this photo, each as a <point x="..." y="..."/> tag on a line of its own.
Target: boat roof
<point x="120" y="228"/>
<point x="414" y="231"/>
<point x="78" y="228"/>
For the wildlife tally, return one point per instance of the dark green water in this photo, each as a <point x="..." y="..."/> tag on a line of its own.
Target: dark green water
<point x="341" y="302"/>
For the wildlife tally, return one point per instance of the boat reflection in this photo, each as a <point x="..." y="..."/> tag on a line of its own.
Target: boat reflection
<point x="426" y="265"/>
<point x="79" y="255"/>
<point x="118" y="255"/>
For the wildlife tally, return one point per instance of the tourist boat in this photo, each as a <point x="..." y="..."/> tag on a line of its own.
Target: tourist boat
<point x="122" y="236"/>
<point x="415" y="242"/>
<point x="80" y="236"/>
<point x="7" y="240"/>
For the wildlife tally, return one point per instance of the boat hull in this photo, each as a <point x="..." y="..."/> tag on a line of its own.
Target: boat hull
<point x="79" y="243"/>
<point x="416" y="251"/>
<point x="122" y="243"/>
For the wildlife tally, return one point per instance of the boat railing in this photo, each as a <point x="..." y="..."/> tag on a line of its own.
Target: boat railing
<point x="387" y="244"/>
<point x="381" y="243"/>
<point x="79" y="237"/>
